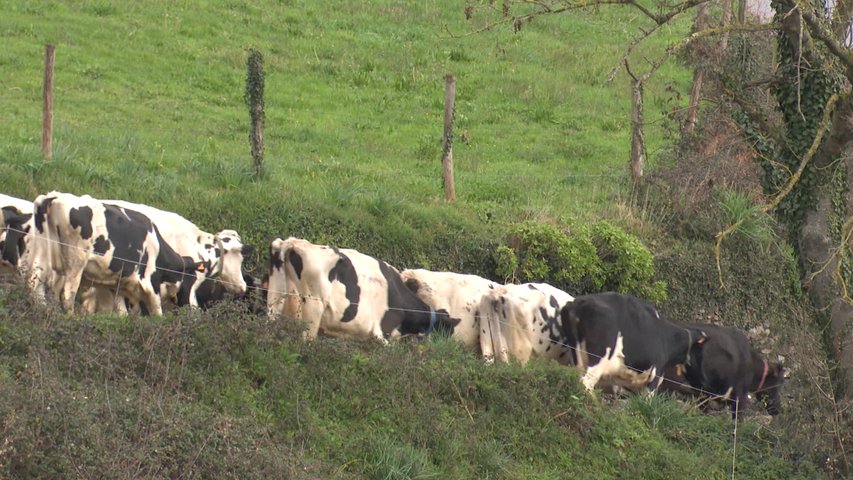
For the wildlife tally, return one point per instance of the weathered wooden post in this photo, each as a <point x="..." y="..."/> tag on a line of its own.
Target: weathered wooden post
<point x="447" y="157"/>
<point x="255" y="101"/>
<point x="47" y="110"/>
<point x="638" y="141"/>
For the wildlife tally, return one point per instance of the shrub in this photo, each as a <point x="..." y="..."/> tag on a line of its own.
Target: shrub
<point x="582" y="259"/>
<point x="627" y="263"/>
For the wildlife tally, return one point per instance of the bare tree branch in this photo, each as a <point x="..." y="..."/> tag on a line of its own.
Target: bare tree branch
<point x="841" y="18"/>
<point x="646" y="34"/>
<point x="542" y="8"/>
<point x="681" y="44"/>
<point x="824" y="125"/>
<point x="818" y="31"/>
<point x="759" y="118"/>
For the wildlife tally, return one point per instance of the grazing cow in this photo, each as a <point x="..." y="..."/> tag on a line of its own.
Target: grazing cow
<point x="221" y="254"/>
<point x="459" y="295"/>
<point x="344" y="293"/>
<point x="624" y="341"/>
<point x="110" y="246"/>
<point x="525" y="322"/>
<point x="212" y="292"/>
<point x="14" y="214"/>
<point x="727" y="365"/>
<point x="18" y="239"/>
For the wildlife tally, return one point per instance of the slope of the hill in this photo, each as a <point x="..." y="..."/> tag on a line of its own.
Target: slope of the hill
<point x="229" y="395"/>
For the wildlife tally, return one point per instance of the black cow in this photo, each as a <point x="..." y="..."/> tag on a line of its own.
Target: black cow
<point x="727" y="365"/>
<point x="212" y="291"/>
<point x="344" y="293"/>
<point x="623" y="340"/>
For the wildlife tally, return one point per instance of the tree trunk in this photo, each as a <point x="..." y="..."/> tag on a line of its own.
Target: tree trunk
<point x="725" y="19"/>
<point x="819" y="248"/>
<point x="699" y="23"/>
<point x="695" y="98"/>
<point x="638" y="142"/>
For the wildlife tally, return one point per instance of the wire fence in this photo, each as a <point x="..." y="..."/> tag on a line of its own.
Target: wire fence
<point x="574" y="348"/>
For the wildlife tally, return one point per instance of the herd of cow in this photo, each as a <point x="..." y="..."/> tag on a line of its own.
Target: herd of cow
<point x="133" y="257"/>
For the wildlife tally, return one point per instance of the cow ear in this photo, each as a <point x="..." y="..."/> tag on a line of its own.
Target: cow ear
<point x="247" y="249"/>
<point x="200" y="267"/>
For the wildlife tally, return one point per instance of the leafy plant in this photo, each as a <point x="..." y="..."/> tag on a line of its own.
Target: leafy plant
<point x="582" y="259"/>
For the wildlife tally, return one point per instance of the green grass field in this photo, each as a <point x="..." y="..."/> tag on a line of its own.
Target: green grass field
<point x="149" y="108"/>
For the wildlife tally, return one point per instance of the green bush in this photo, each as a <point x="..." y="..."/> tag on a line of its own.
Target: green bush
<point x="627" y="263"/>
<point x="583" y="259"/>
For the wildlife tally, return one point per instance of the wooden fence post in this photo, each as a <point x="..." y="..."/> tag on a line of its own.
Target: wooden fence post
<point x="447" y="157"/>
<point x="47" y="111"/>
<point x="638" y="140"/>
<point x="255" y="101"/>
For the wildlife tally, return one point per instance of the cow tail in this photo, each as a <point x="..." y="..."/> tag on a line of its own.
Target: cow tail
<point x="47" y="238"/>
<point x="292" y="298"/>
<point x="572" y="332"/>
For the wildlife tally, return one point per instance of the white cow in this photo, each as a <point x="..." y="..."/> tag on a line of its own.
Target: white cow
<point x="460" y="295"/>
<point x="344" y="293"/>
<point x="525" y="322"/>
<point x="110" y="246"/>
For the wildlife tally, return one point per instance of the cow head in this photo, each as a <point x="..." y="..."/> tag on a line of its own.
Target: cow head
<point x="429" y="322"/>
<point x="224" y="252"/>
<point x="769" y="386"/>
<point x="15" y="239"/>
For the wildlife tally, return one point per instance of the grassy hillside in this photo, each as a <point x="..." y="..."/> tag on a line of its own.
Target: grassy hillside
<point x="149" y="108"/>
<point x="229" y="395"/>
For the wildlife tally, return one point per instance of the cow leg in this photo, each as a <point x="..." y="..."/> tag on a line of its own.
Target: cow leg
<point x="313" y="310"/>
<point x="594" y="372"/>
<point x="492" y="325"/>
<point x="193" y="300"/>
<point x="37" y="280"/>
<point x="737" y="402"/>
<point x="73" y="276"/>
<point x="97" y="299"/>
<point x="486" y="345"/>
<point x="498" y="336"/>
<point x="151" y="299"/>
<point x="591" y="377"/>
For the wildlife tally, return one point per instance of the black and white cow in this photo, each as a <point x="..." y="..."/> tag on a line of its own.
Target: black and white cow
<point x="14" y="214"/>
<point x="221" y="254"/>
<point x="623" y="341"/>
<point x="727" y="365"/>
<point x="344" y="293"/>
<point x="460" y="296"/>
<point x="525" y="322"/>
<point x="253" y="299"/>
<point x="111" y="246"/>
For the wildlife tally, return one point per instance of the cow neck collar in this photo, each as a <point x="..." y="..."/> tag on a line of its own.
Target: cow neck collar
<point x="763" y="376"/>
<point x="432" y="321"/>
